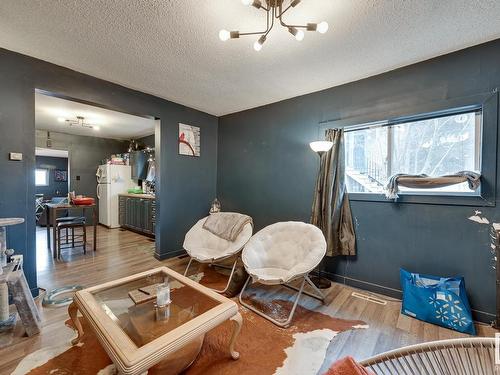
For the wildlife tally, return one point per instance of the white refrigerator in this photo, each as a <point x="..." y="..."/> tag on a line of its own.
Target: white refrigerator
<point x="111" y="181"/>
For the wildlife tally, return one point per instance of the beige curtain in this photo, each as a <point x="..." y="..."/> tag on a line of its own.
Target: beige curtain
<point x="331" y="211"/>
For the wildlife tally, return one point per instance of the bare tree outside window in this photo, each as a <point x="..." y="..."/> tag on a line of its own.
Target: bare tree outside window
<point x="433" y="146"/>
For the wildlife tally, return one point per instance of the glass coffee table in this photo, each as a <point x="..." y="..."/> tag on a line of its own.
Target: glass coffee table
<point x="124" y="317"/>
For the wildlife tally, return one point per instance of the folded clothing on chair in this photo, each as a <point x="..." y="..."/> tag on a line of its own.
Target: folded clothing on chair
<point x="227" y="225"/>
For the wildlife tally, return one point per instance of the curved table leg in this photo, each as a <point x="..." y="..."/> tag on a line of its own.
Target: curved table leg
<point x="73" y="314"/>
<point x="237" y="323"/>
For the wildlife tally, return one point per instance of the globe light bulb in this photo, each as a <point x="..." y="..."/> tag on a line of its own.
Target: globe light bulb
<point x="300" y="35"/>
<point x="258" y="44"/>
<point x="322" y="27"/>
<point x="224" y="35"/>
<point x="247" y="2"/>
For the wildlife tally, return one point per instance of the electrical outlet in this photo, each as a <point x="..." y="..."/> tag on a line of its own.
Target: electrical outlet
<point x="16" y="156"/>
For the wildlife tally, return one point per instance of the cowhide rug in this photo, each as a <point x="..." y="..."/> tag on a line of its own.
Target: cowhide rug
<point x="264" y="348"/>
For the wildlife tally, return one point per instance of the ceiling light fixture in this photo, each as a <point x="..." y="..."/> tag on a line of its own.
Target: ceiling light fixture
<point x="275" y="9"/>
<point x="80" y="122"/>
<point x="49" y="141"/>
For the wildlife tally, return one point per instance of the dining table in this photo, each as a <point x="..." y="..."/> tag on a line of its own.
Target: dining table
<point x="51" y="210"/>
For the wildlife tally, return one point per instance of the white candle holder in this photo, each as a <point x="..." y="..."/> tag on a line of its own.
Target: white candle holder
<point x="163" y="294"/>
<point x="163" y="301"/>
<point x="162" y="312"/>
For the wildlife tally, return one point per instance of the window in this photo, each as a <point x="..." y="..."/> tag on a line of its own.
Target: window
<point x="433" y="145"/>
<point x="41" y="177"/>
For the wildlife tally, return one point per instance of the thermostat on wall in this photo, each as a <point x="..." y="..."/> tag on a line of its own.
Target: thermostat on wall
<point x="16" y="156"/>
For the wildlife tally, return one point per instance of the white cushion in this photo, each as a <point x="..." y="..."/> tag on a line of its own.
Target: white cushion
<point x="205" y="246"/>
<point x="283" y="251"/>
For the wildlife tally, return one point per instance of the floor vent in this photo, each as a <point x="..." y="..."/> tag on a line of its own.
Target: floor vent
<point x="369" y="298"/>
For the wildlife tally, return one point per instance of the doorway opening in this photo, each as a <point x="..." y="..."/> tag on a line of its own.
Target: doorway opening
<point x="51" y="185"/>
<point x="107" y="184"/>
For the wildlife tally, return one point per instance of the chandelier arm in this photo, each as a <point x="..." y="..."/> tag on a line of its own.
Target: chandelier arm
<point x="272" y="21"/>
<point x="283" y="11"/>
<point x="265" y="32"/>
<point x="254" y="33"/>
<point x="284" y="24"/>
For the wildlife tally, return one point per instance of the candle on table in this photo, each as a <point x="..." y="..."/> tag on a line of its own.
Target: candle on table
<point x="163" y="294"/>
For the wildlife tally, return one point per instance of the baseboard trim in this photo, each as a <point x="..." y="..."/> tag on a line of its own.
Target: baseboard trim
<point x="171" y="254"/>
<point x="478" y="315"/>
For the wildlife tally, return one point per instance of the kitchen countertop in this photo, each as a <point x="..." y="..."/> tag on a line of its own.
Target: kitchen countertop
<point x="144" y="196"/>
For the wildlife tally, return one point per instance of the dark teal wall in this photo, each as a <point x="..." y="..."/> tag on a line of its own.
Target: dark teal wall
<point x="55" y="188"/>
<point x="266" y="169"/>
<point x="187" y="185"/>
<point x="147" y="141"/>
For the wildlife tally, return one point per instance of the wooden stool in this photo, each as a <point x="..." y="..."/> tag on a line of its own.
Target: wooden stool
<point x="66" y="219"/>
<point x="66" y="224"/>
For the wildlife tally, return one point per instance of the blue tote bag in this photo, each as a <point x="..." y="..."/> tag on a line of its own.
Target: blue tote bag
<point x="438" y="300"/>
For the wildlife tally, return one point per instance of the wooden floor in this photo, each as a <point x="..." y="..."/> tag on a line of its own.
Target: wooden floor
<point x="122" y="253"/>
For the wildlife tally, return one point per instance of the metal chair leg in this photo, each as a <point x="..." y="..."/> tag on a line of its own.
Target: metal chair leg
<point x="319" y="294"/>
<point x="84" y="239"/>
<point x="72" y="236"/>
<point x="189" y="264"/>
<point x="284" y="324"/>
<point x="58" y="247"/>
<point x="230" y="276"/>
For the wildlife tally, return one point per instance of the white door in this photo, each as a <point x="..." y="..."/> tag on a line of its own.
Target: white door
<point x="103" y="193"/>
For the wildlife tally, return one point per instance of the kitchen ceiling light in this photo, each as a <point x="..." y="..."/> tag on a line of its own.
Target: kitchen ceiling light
<point x="80" y="122"/>
<point x="275" y="9"/>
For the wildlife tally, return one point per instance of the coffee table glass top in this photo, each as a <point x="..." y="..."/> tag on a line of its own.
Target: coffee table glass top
<point x="131" y="306"/>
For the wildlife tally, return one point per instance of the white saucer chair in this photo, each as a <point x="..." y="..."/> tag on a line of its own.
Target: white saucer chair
<point x="281" y="253"/>
<point x="205" y="247"/>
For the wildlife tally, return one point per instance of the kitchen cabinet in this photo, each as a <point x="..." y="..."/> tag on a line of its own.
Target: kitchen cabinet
<point x="138" y="164"/>
<point x="137" y="214"/>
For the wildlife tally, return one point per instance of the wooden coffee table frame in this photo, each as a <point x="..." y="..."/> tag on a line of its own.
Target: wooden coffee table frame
<point x="125" y="354"/>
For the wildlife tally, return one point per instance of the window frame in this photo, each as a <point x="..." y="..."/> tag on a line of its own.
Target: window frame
<point x="47" y="177"/>
<point x="488" y="104"/>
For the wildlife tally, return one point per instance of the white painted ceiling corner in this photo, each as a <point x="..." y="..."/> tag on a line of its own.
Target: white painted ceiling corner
<point x="110" y="124"/>
<point x="171" y="49"/>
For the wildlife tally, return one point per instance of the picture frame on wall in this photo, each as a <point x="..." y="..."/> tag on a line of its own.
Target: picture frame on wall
<point x="189" y="140"/>
<point x="60" y="175"/>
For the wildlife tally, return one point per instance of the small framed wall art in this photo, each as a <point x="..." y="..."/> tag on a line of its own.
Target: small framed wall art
<point x="60" y="175"/>
<point x="189" y="140"/>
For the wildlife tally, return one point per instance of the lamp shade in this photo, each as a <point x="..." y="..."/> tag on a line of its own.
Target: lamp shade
<point x="321" y="146"/>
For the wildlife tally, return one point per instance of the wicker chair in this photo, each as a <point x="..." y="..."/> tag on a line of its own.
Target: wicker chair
<point x="469" y="356"/>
